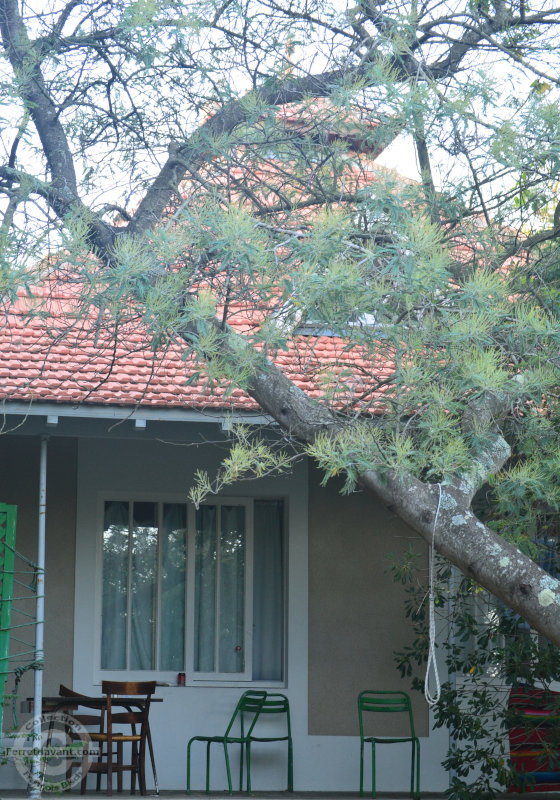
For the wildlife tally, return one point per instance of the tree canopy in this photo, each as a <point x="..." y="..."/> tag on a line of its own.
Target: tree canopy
<point x="209" y="170"/>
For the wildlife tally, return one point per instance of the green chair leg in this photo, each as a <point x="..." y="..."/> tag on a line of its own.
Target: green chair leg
<point x="241" y="756"/>
<point x="373" y="790"/>
<point x="361" y="769"/>
<point x="208" y="768"/>
<point x="228" y="770"/>
<point x="417" y="769"/>
<point x="248" y="766"/>
<point x="189" y="767"/>
<point x="290" y="766"/>
<point x="412" y="770"/>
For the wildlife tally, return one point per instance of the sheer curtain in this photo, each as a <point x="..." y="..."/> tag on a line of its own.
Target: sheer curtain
<point x="115" y="585"/>
<point x="143" y="586"/>
<point x="231" y="637"/>
<point x="205" y="588"/>
<point x="219" y="635"/>
<point x="268" y="590"/>
<point x="134" y="597"/>
<point x="173" y="570"/>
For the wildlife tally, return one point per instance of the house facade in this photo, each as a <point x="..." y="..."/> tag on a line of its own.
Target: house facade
<point x="278" y="583"/>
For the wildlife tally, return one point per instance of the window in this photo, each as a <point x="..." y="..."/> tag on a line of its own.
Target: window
<point x="200" y="591"/>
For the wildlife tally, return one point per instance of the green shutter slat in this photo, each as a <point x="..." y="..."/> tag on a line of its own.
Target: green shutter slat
<point x="7" y="554"/>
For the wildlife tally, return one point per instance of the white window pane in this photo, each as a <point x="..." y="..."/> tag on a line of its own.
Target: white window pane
<point x="115" y="585"/>
<point x="173" y="565"/>
<point x="231" y="641"/>
<point x="268" y="590"/>
<point x="143" y="585"/>
<point x="205" y="589"/>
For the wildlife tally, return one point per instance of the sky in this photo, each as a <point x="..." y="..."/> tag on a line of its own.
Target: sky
<point x="401" y="156"/>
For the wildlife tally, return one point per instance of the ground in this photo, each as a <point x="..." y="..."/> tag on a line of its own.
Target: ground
<point x="196" y="795"/>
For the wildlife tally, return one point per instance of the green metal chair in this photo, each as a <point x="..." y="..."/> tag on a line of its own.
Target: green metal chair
<point x="372" y="701"/>
<point x="250" y="703"/>
<point x="274" y="704"/>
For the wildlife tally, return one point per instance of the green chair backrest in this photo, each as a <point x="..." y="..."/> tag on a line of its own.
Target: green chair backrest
<point x="276" y="703"/>
<point x="384" y="701"/>
<point x="250" y="702"/>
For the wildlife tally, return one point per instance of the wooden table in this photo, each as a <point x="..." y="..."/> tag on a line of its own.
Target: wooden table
<point x="56" y="702"/>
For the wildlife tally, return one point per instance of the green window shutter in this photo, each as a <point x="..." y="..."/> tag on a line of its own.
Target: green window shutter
<point x="7" y="553"/>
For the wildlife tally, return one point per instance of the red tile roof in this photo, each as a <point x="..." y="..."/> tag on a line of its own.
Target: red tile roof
<point x="55" y="356"/>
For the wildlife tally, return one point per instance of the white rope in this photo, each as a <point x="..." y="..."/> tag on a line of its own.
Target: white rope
<point x="432" y="699"/>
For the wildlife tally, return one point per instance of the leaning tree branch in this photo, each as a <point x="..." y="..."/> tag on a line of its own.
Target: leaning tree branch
<point x="479" y="552"/>
<point x="459" y="536"/>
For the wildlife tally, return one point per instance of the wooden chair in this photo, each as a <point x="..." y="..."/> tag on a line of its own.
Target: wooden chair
<point x="138" y="719"/>
<point x="94" y="719"/>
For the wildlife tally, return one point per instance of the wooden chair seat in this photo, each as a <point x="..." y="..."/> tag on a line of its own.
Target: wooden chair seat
<point x="116" y="737"/>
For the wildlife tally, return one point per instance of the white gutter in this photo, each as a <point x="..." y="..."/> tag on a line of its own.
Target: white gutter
<point x="35" y="788"/>
<point x="83" y="411"/>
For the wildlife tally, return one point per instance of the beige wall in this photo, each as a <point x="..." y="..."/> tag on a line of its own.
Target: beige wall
<point x="356" y="611"/>
<point x="19" y="485"/>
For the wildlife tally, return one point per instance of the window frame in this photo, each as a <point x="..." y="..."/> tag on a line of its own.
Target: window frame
<point x="166" y="677"/>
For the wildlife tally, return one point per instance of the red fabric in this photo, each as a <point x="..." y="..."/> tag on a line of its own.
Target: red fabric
<point x="534" y="739"/>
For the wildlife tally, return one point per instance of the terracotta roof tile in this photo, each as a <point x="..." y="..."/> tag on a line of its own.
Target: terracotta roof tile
<point x="38" y="362"/>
